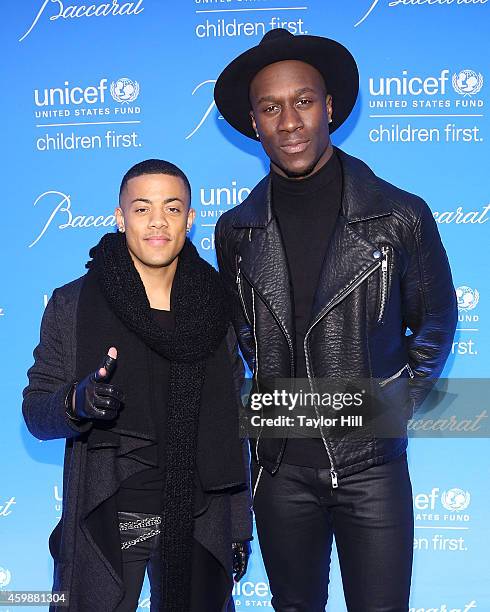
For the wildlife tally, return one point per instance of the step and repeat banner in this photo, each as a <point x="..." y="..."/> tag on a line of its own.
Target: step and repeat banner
<point x="93" y="87"/>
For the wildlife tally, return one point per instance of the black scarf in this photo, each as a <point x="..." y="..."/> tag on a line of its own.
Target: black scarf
<point x="201" y="322"/>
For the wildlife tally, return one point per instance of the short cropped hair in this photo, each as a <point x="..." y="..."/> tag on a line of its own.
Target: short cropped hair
<point x="154" y="166"/>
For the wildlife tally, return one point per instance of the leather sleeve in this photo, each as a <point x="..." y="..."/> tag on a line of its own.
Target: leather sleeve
<point x="429" y="304"/>
<point x="226" y="256"/>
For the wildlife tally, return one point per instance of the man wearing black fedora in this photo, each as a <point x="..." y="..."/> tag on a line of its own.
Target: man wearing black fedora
<point x="334" y="274"/>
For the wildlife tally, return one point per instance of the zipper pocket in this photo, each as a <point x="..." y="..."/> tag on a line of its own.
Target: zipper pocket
<point x="384" y="283"/>
<point x="240" y="290"/>
<point x="252" y="325"/>
<point x="256" y="370"/>
<point x="279" y="324"/>
<point x="397" y="375"/>
<point x="257" y="483"/>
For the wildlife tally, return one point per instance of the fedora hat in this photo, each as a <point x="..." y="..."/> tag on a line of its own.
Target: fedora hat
<point x="334" y="62"/>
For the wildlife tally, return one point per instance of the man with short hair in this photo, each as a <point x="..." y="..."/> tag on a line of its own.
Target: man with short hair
<point x="329" y="268"/>
<point x="155" y="475"/>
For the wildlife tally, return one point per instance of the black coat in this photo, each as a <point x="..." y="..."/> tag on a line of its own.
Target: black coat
<point x="84" y="549"/>
<point x="385" y="269"/>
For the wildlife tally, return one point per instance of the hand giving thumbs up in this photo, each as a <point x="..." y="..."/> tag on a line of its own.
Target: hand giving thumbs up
<point x="94" y="397"/>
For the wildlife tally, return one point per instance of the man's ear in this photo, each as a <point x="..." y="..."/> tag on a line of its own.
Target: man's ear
<point x="191" y="215"/>
<point x="119" y="219"/>
<point x="254" y="124"/>
<point x="329" y="102"/>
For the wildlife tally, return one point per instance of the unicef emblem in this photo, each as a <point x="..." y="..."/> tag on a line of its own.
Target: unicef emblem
<point x="467" y="82"/>
<point x="467" y="297"/>
<point x="125" y="90"/>
<point x="5" y="577"/>
<point x="455" y="499"/>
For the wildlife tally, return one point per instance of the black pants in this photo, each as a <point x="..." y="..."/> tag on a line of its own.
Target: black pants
<point x="371" y="516"/>
<point x="209" y="588"/>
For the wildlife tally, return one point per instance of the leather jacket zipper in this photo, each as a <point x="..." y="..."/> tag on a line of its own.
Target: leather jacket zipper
<point x="257" y="483"/>
<point x="284" y="331"/>
<point x="384" y="283"/>
<point x="326" y="310"/>
<point x="240" y="292"/>
<point x="407" y="367"/>
<point x="256" y="369"/>
<point x="252" y="325"/>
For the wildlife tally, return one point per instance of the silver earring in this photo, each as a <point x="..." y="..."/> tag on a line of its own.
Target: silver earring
<point x="330" y="120"/>
<point x="121" y="229"/>
<point x="257" y="134"/>
<point x="188" y="230"/>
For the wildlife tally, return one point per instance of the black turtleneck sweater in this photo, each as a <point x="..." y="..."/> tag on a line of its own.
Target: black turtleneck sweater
<point x="306" y="210"/>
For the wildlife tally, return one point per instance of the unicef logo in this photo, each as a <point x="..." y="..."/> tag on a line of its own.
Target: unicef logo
<point x="125" y="90"/>
<point x="455" y="499"/>
<point x="467" y="297"/>
<point x="467" y="82"/>
<point x="5" y="577"/>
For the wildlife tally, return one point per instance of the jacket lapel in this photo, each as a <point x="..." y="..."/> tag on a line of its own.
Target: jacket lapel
<point x="347" y="259"/>
<point x="263" y="258"/>
<point x="350" y="257"/>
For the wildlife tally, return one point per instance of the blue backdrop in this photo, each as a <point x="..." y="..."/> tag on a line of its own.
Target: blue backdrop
<point x="92" y="89"/>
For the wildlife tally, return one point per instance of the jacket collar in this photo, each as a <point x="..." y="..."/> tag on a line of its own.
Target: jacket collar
<point x="349" y="258"/>
<point x="361" y="198"/>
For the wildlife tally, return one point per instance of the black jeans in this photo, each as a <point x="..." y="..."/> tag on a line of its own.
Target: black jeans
<point x="209" y="586"/>
<point x="370" y="514"/>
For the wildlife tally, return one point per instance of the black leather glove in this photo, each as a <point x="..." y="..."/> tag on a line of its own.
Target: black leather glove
<point x="95" y="398"/>
<point x="241" y="554"/>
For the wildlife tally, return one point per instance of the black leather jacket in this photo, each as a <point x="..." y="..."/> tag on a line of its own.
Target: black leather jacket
<point x="385" y="270"/>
